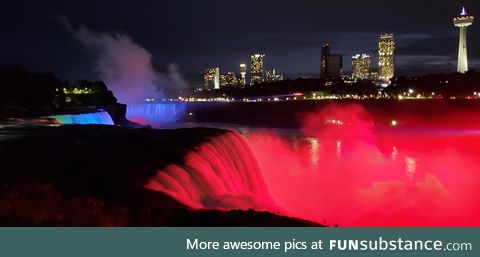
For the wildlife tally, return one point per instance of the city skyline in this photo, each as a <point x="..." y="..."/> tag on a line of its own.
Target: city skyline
<point x="215" y="78"/>
<point x="331" y="65"/>
<point x="293" y="44"/>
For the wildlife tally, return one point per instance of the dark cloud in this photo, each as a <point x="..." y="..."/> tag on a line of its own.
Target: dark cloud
<point x="442" y="45"/>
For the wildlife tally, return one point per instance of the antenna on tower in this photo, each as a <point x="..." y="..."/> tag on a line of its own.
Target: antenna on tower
<point x="464" y="12"/>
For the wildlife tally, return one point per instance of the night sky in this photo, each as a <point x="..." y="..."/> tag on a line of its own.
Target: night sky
<point x="198" y="34"/>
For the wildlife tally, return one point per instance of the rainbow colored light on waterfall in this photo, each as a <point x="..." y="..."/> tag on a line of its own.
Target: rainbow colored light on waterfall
<point x="97" y="118"/>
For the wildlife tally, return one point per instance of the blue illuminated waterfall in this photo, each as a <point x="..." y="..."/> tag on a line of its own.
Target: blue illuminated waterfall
<point x="155" y="113"/>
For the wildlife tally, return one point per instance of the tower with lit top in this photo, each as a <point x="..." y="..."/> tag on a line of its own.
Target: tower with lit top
<point x="243" y="73"/>
<point x="462" y="22"/>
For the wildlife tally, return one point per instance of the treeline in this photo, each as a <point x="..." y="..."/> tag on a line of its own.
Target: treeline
<point x="445" y="85"/>
<point x="23" y="93"/>
<point x="93" y="93"/>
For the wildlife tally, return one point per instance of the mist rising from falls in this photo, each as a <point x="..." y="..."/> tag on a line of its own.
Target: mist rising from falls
<point x="155" y="113"/>
<point x="98" y="118"/>
<point x="353" y="173"/>
<point x="220" y="174"/>
<point x="126" y="66"/>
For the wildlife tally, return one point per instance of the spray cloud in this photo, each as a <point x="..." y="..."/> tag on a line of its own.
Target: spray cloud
<point x="125" y="66"/>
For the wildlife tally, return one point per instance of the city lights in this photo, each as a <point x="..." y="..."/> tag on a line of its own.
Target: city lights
<point x="386" y="57"/>
<point x="361" y="66"/>
<point x="212" y="78"/>
<point x="333" y="84"/>
<point x="256" y="67"/>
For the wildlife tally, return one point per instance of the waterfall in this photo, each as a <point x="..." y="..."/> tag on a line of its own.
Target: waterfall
<point x="101" y="118"/>
<point x="155" y="113"/>
<point x="220" y="174"/>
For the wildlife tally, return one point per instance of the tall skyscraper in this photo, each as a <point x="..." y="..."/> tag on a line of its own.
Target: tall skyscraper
<point x="386" y="57"/>
<point x="324" y="60"/>
<point x="243" y="74"/>
<point x="462" y="22"/>
<point x="256" y="68"/>
<point x="361" y="66"/>
<point x="212" y="78"/>
<point x="330" y="64"/>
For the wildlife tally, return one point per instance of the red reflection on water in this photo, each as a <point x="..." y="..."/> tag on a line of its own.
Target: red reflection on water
<point x="359" y="173"/>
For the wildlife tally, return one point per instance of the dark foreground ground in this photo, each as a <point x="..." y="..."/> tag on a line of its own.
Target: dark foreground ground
<point x="94" y="176"/>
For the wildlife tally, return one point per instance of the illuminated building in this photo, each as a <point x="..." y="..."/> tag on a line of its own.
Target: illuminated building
<point x="212" y="78"/>
<point x="243" y="74"/>
<point x="272" y="76"/>
<point x="256" y="68"/>
<point x="386" y="57"/>
<point x="330" y="64"/>
<point x="228" y="79"/>
<point x="373" y="75"/>
<point x="361" y="66"/>
<point x="462" y="22"/>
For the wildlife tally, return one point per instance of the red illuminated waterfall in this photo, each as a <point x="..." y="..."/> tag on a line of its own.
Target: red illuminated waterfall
<point x="343" y="168"/>
<point x="220" y="174"/>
